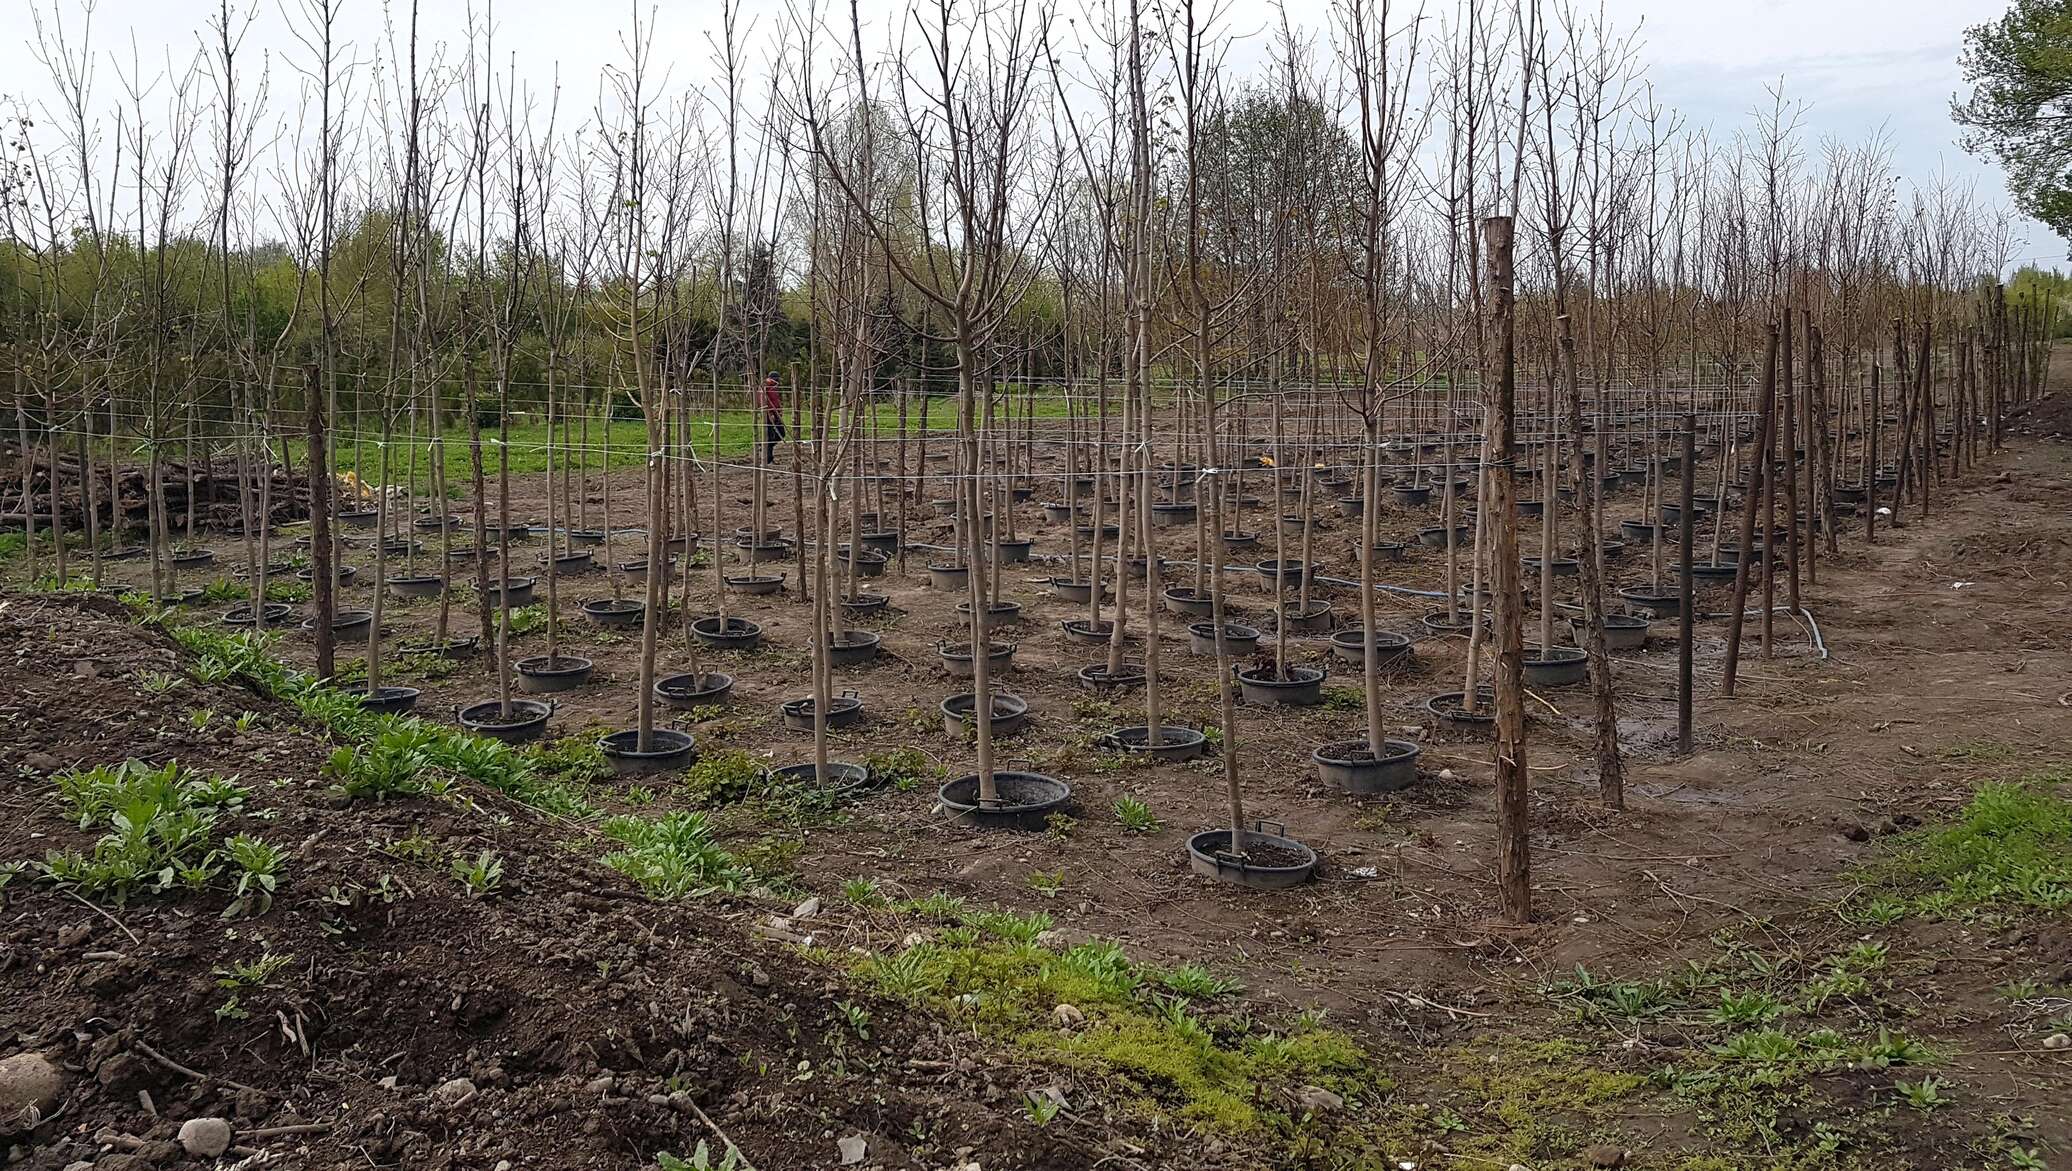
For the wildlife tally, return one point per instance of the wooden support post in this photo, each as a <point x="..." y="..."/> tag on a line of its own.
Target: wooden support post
<point x="1499" y="389"/>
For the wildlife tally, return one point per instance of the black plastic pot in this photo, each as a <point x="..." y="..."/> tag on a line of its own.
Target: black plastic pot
<point x="1289" y="572"/>
<point x="543" y="674"/>
<point x="759" y="552"/>
<point x="1139" y="566"/>
<point x="1022" y="800"/>
<point x="1412" y="496"/>
<point x="415" y="587"/>
<point x="1640" y="532"/>
<point x="1556" y="666"/>
<point x="1316" y="619"/>
<point x="685" y="545"/>
<point x="341" y="574"/>
<point x="616" y="613"/>
<point x="1388" y="550"/>
<point x="193" y="558"/>
<point x="432" y="524"/>
<point x="574" y="561"/>
<point x="1072" y="591"/>
<point x="1175" y="743"/>
<point x="1652" y="604"/>
<point x="949" y="577"/>
<point x="755" y="583"/>
<point x="1436" y="623"/>
<point x="528" y="719"/>
<point x="842" y="776"/>
<point x="852" y="648"/>
<point x="1271" y="861"/>
<point x="731" y="634"/>
<point x="1010" y="714"/>
<point x="861" y="605"/>
<point x="668" y="750"/>
<point x="357" y="518"/>
<point x="867" y="562"/>
<point x="998" y="614"/>
<point x="345" y="623"/>
<point x="1238" y="638"/>
<point x="519" y="594"/>
<point x="694" y="690"/>
<point x="1351" y="506"/>
<point x="1435" y="536"/>
<point x="1529" y="507"/>
<point x="1084" y="630"/>
<point x="1393" y="651"/>
<point x="883" y="544"/>
<point x="1622" y="632"/>
<point x="1168" y="516"/>
<point x="1057" y="513"/>
<point x="1012" y="552"/>
<point x="1095" y="677"/>
<point x="389" y="701"/>
<point x="585" y="537"/>
<point x="1187" y="602"/>
<point x="842" y="711"/>
<point x="1304" y="687"/>
<point x="1350" y="766"/>
<point x="957" y="658"/>
<point x="1445" y="710"/>
<point x="1237" y="542"/>
<point x="1563" y="566"/>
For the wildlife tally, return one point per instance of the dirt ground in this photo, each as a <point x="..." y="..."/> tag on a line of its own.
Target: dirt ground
<point x="598" y="1028"/>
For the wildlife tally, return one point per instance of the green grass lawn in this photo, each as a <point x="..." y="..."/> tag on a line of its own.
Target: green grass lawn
<point x="622" y="445"/>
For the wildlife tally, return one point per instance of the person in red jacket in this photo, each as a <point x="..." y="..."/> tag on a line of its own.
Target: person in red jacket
<point x="773" y="418"/>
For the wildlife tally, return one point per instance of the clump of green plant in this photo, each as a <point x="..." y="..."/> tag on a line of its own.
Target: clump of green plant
<point x="673" y="856"/>
<point x="1136" y="816"/>
<point x="397" y="763"/>
<point x="863" y="892"/>
<point x="257" y="865"/>
<point x="2011" y="847"/>
<point x="160" y="823"/>
<point x="574" y="760"/>
<point x="723" y="777"/>
<point x="482" y="875"/>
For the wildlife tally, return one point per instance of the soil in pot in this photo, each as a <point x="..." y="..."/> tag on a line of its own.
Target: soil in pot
<point x="1010" y="715"/>
<point x="1097" y="677"/>
<point x="527" y="719"/>
<point x="542" y="674"/>
<point x="998" y="614"/>
<point x="1175" y="743"/>
<point x="842" y="712"/>
<point x="1022" y="800"/>
<point x="389" y="701"/>
<point x="1446" y="709"/>
<point x="616" y="613"/>
<point x="694" y="690"/>
<point x="668" y="750"/>
<point x="732" y="634"/>
<point x="270" y="613"/>
<point x="1269" y="862"/>
<point x="1352" y="767"/>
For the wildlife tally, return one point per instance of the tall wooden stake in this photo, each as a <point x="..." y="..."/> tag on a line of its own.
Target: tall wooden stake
<point x="1499" y="389"/>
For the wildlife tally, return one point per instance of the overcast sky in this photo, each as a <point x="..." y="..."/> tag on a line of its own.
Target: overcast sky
<point x="1858" y="64"/>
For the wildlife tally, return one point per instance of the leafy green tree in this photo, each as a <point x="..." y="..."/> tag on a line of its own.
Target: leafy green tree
<point x="2019" y="112"/>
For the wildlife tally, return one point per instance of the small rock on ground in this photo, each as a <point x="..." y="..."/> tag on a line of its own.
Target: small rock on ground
<point x="205" y="1138"/>
<point x="28" y="1082"/>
